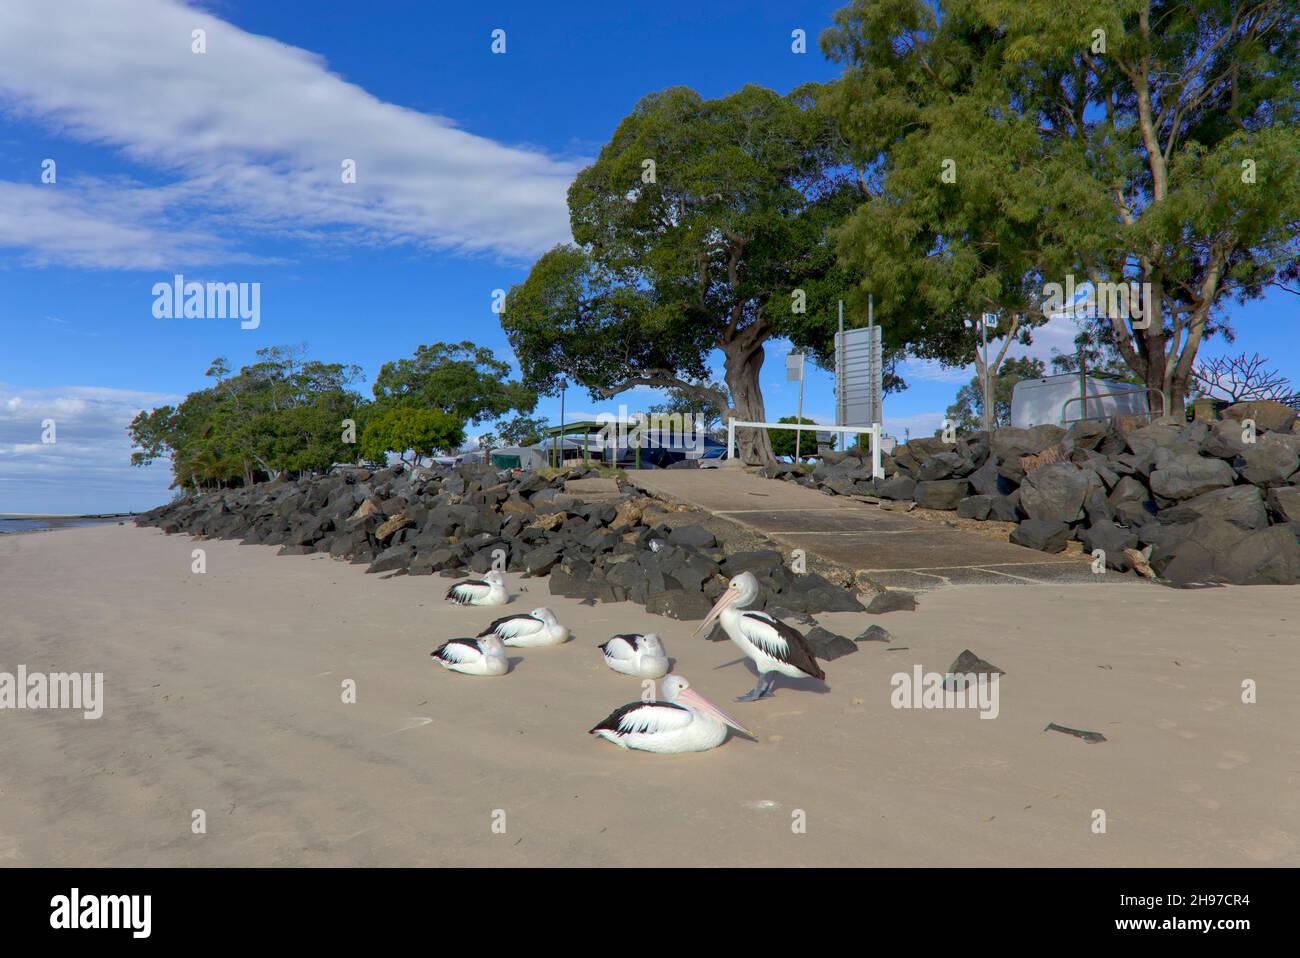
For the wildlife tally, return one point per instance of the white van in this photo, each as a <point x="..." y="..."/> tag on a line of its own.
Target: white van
<point x="1058" y="400"/>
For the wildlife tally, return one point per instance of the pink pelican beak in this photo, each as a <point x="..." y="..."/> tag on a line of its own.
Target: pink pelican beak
<point x="725" y="600"/>
<point x="700" y="703"/>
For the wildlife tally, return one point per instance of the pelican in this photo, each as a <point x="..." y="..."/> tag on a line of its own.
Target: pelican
<point x="481" y="656"/>
<point x="682" y="722"/>
<point x="529" y="629"/>
<point x="773" y="645"/>
<point x="489" y="590"/>
<point x="639" y="655"/>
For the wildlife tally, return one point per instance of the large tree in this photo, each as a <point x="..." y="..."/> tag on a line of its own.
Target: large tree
<point x="702" y="225"/>
<point x="284" y="413"/>
<point x="1130" y="142"/>
<point x="461" y="379"/>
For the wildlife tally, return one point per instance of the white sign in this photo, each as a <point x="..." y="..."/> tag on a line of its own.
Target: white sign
<point x="794" y="367"/>
<point x="859" y="376"/>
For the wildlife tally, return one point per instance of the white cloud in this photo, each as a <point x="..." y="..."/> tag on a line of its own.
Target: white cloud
<point x="87" y="468"/>
<point x="249" y="136"/>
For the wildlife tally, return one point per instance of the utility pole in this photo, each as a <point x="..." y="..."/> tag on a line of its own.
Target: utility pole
<point x="988" y="405"/>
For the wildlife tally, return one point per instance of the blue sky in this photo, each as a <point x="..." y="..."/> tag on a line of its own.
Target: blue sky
<point x="224" y="166"/>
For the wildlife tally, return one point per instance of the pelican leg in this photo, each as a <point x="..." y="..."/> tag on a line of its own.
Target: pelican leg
<point x="762" y="690"/>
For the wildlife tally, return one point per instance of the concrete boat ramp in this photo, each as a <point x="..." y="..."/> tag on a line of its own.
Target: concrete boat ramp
<point x="896" y="550"/>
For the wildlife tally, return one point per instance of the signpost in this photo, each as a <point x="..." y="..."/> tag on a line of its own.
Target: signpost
<point x="859" y="374"/>
<point x="794" y="364"/>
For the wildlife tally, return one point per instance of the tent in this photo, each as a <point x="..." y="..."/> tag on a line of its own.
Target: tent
<point x="518" y="457"/>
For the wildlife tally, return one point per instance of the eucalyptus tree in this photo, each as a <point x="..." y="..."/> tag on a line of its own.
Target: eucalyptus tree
<point x="702" y="225"/>
<point x="1149" y="147"/>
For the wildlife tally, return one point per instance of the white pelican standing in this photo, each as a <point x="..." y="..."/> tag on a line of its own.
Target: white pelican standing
<point x="483" y="656"/>
<point x="489" y="590"/>
<point x="773" y="645"/>
<point x="640" y="655"/>
<point x="528" y="630"/>
<point x="683" y="722"/>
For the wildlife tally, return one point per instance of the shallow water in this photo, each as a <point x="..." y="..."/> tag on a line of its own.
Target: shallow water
<point x="11" y="524"/>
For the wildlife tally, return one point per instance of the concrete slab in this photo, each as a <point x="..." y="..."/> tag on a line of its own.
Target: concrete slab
<point x="897" y="550"/>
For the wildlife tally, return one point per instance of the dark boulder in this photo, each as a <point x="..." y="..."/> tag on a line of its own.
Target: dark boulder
<point x="827" y="645"/>
<point x="1045" y="535"/>
<point x="942" y="494"/>
<point x="1054" y="493"/>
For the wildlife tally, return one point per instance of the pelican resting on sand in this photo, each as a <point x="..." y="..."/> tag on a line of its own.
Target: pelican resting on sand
<point x="482" y="656"/>
<point x="489" y="590"/>
<point x="638" y="655"/>
<point x="683" y="722"/>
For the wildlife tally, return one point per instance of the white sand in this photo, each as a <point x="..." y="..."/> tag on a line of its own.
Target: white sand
<point x="223" y="694"/>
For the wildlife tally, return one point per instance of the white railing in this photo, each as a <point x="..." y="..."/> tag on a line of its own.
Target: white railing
<point x="877" y="469"/>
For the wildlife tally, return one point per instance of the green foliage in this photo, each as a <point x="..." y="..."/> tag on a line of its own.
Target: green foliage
<point x="1131" y="163"/>
<point x="522" y="431"/>
<point x="967" y="411"/>
<point x="783" y="440"/>
<point x="704" y="254"/>
<point x="284" y="413"/>
<point x="689" y="405"/>
<point x="464" y="380"/>
<point x="402" y="429"/>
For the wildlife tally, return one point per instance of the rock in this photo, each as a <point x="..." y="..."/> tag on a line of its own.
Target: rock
<point x="941" y="494"/>
<point x="966" y="669"/>
<point x="696" y="537"/>
<point x="1054" y="492"/>
<point x="1006" y="508"/>
<point x="1223" y="440"/>
<point x="827" y="645"/>
<point x="1284" y="503"/>
<point x="1188" y="476"/>
<point x="549" y="521"/>
<point x="1214" y="550"/>
<point x="586" y="488"/>
<point x="628" y="514"/>
<point x="1009" y="444"/>
<point x="891" y="601"/>
<point x="1045" y="535"/>
<point x="987" y="481"/>
<point x="541" y="560"/>
<point x="678" y="604"/>
<point x="1267" y="462"/>
<point x="760" y="563"/>
<point x="1112" y="540"/>
<point x="874" y="633"/>
<point x="368" y="508"/>
<point x="399" y="521"/>
<point x="975" y="507"/>
<point x="1267" y="414"/>
<point x="897" y="487"/>
<point x="397" y="557"/>
<point x="1243" y="506"/>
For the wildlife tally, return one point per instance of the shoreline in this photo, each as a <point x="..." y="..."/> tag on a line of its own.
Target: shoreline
<point x="222" y="693"/>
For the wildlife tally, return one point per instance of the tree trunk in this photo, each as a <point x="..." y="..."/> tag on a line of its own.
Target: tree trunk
<point x="743" y="364"/>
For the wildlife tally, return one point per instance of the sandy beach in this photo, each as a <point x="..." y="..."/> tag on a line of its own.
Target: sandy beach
<point x="223" y="693"/>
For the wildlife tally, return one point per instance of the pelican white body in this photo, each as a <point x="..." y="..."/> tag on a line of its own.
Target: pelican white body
<point x="482" y="656"/>
<point x="489" y="590"/>
<point x="529" y="630"/>
<point x="683" y="722"/>
<point x="641" y="656"/>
